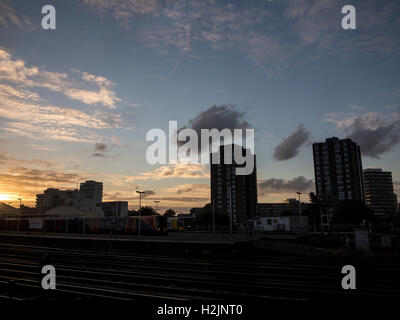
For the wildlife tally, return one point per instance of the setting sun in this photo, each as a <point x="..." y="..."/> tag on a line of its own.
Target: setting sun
<point x="7" y="197"/>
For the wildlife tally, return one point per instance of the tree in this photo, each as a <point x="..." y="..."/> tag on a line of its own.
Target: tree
<point x="313" y="197"/>
<point x="313" y="212"/>
<point x="205" y="217"/>
<point x="132" y="212"/>
<point x="147" y="211"/>
<point x="169" y="213"/>
<point x="353" y="212"/>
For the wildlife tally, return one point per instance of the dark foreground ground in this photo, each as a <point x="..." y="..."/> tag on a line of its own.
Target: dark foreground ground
<point x="158" y="271"/>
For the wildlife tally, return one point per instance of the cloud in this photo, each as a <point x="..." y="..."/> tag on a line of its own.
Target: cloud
<point x="49" y="114"/>
<point x="36" y="162"/>
<point x="23" y="94"/>
<point x="99" y="146"/>
<point x="104" y="95"/>
<point x="123" y="10"/>
<point x="178" y="170"/>
<point x="98" y="154"/>
<point x="356" y="107"/>
<point x="273" y="35"/>
<point x="375" y="133"/>
<point x="30" y="117"/>
<point x="10" y="19"/>
<point x="274" y="185"/>
<point x="3" y="159"/>
<point x="290" y="147"/>
<point x="38" y="121"/>
<point x="39" y="133"/>
<point x="148" y="193"/>
<point x="186" y="199"/>
<point x="16" y="71"/>
<point x="218" y="117"/>
<point x="111" y="150"/>
<point x="202" y="189"/>
<point x="26" y="182"/>
<point x="396" y="187"/>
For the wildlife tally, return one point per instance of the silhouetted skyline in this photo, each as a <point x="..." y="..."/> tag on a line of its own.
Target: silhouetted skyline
<point x="76" y="102"/>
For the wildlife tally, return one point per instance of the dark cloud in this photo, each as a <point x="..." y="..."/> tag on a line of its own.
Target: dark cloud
<point x="99" y="146"/>
<point x="100" y="149"/>
<point x="99" y="154"/>
<point x="103" y="150"/>
<point x="148" y="193"/>
<point x="290" y="147"/>
<point x="274" y="185"/>
<point x="217" y="117"/>
<point x="374" y="134"/>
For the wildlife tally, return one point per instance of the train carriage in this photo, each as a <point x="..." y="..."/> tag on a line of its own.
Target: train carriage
<point x="93" y="225"/>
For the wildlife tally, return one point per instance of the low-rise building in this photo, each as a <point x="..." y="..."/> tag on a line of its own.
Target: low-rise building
<point x="287" y="208"/>
<point x="87" y="198"/>
<point x="281" y="224"/>
<point x="115" y="208"/>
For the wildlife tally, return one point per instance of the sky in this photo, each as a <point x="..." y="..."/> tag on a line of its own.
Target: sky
<point x="76" y="102"/>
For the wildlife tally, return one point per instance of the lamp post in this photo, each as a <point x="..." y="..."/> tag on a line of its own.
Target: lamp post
<point x="157" y="202"/>
<point x="19" y="213"/>
<point x="213" y="218"/>
<point x="301" y="220"/>
<point x="140" y="208"/>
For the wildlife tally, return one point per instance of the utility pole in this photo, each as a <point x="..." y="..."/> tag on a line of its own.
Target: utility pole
<point x="157" y="202"/>
<point x="19" y="213"/>
<point x="140" y="208"/>
<point x="213" y="218"/>
<point x="301" y="220"/>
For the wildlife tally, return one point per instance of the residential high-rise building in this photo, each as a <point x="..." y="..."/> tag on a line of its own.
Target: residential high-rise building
<point x="91" y="196"/>
<point x="231" y="193"/>
<point x="379" y="192"/>
<point x="338" y="170"/>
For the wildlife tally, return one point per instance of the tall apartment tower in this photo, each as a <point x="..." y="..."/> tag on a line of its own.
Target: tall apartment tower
<point x="91" y="196"/>
<point x="379" y="192"/>
<point x="228" y="189"/>
<point x="338" y="170"/>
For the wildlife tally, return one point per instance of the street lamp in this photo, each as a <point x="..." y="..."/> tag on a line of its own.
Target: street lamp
<point x="19" y="213"/>
<point x="301" y="220"/>
<point x="213" y="217"/>
<point x="140" y="207"/>
<point x="156" y="201"/>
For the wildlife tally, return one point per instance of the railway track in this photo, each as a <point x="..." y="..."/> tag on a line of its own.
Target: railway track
<point x="85" y="274"/>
